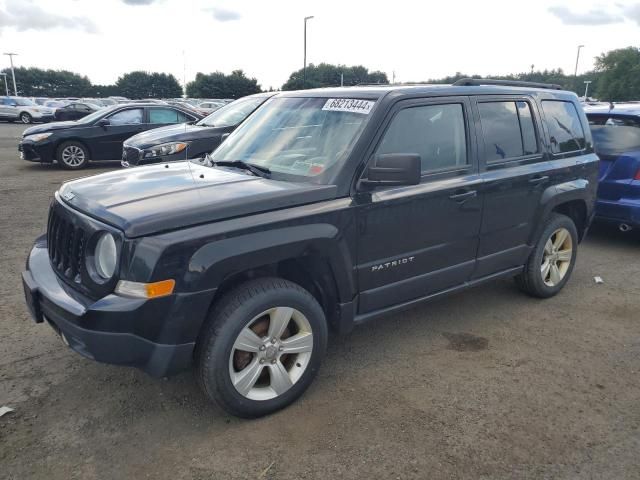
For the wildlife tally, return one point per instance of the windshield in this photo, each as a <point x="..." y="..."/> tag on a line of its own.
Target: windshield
<point x="24" y="102"/>
<point x="233" y="113"/>
<point x="297" y="136"/>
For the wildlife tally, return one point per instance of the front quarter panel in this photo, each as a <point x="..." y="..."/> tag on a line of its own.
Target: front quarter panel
<point x="201" y="258"/>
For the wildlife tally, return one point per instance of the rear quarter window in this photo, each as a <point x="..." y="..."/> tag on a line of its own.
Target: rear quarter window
<point x="565" y="129"/>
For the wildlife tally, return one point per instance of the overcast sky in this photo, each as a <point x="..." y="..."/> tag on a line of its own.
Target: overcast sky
<point x="417" y="39"/>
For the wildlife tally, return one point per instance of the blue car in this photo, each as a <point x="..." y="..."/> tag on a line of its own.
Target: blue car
<point x="616" y="135"/>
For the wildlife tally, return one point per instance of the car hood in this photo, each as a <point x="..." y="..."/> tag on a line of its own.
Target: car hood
<point x="155" y="198"/>
<point x="172" y="133"/>
<point x="48" y="127"/>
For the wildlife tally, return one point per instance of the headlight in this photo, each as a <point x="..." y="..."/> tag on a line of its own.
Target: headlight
<point x="38" y="137"/>
<point x="165" y="149"/>
<point x="106" y="256"/>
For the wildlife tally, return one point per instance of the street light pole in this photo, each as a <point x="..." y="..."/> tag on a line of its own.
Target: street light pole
<point x="304" y="70"/>
<point x="13" y="73"/>
<point x="586" y="88"/>
<point x="575" y="73"/>
<point x="6" y="87"/>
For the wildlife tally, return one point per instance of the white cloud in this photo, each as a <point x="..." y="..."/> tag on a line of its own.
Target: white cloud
<point x="223" y="14"/>
<point x="591" y="17"/>
<point x="24" y="15"/>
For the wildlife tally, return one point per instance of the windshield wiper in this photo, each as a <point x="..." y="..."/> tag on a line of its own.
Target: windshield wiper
<point x="257" y="170"/>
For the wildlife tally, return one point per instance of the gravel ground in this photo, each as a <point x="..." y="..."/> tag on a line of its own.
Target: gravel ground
<point x="487" y="384"/>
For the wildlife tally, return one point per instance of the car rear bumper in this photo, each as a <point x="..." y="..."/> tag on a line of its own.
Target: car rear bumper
<point x="112" y="329"/>
<point x="620" y="211"/>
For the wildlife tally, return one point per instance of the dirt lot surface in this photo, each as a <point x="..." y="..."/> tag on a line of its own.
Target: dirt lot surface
<point x="486" y="384"/>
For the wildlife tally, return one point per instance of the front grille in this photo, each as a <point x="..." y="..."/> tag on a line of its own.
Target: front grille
<point x="131" y="155"/>
<point x="66" y="244"/>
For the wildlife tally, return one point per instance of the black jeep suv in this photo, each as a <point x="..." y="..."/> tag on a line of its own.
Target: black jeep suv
<point x="325" y="209"/>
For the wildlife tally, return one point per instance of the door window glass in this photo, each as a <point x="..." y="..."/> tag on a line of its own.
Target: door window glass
<point x="127" y="117"/>
<point x="529" y="141"/>
<point x="166" y="115"/>
<point x="435" y="132"/>
<point x="565" y="129"/>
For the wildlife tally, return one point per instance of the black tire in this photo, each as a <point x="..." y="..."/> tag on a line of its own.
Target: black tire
<point x="26" y="118"/>
<point x="231" y="315"/>
<point x="65" y="149"/>
<point x="531" y="280"/>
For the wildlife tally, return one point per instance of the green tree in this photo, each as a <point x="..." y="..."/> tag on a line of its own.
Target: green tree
<point x="219" y="85"/>
<point x="619" y="74"/>
<point x="148" y="85"/>
<point x="328" y="75"/>
<point x="36" y="82"/>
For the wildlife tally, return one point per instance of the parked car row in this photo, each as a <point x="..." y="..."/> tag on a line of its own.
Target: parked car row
<point x="136" y="133"/>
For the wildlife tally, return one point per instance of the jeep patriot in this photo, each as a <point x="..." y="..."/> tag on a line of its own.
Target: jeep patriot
<point x="325" y="209"/>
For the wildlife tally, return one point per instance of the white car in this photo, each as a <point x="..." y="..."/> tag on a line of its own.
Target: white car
<point x="23" y="110"/>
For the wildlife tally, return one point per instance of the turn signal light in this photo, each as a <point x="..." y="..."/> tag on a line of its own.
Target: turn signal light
<point x="145" y="290"/>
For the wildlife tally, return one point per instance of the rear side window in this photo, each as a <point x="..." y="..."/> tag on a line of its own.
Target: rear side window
<point x="565" y="130"/>
<point x="508" y="130"/>
<point x="165" y="115"/>
<point x="435" y="132"/>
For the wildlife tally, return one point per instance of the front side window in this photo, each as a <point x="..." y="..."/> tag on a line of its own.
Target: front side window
<point x="166" y="115"/>
<point x="297" y="137"/>
<point x="435" y="132"/>
<point x="565" y="130"/>
<point x="126" y="117"/>
<point x="508" y="130"/>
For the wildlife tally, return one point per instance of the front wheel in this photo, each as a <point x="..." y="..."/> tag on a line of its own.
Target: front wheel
<point x="552" y="259"/>
<point x="25" y="118"/>
<point x="73" y="155"/>
<point x="262" y="347"/>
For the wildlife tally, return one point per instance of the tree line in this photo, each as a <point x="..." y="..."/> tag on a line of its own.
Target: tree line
<point x="616" y="77"/>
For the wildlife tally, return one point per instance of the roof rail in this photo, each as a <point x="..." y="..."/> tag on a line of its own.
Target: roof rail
<point x="475" y="82"/>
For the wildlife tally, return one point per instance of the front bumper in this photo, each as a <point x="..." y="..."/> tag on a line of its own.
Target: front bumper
<point x="114" y="329"/>
<point x="36" y="151"/>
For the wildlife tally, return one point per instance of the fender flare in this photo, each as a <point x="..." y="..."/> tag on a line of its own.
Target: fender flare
<point x="213" y="262"/>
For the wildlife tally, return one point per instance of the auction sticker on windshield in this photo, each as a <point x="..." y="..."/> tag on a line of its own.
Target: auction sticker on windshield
<point x="349" y="105"/>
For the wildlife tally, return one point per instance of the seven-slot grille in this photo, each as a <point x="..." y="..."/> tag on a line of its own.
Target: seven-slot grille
<point x="66" y="244"/>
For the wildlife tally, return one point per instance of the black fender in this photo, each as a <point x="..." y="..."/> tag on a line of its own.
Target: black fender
<point x="213" y="262"/>
<point x="581" y="189"/>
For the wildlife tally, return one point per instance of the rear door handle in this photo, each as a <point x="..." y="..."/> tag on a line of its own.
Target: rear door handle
<point x="538" y="179"/>
<point x="463" y="196"/>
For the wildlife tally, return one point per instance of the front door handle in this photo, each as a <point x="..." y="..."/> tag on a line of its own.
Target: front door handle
<point x="538" y="179"/>
<point x="462" y="197"/>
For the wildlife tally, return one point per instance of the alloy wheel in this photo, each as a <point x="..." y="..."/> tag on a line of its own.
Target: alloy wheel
<point x="25" y="118"/>
<point x="73" y="156"/>
<point x="557" y="256"/>
<point x="271" y="353"/>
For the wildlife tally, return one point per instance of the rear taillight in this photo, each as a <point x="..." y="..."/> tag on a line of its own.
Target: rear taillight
<point x="637" y="175"/>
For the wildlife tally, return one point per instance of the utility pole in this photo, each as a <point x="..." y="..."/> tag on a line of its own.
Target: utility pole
<point x="13" y="73"/>
<point x="342" y="79"/>
<point x="586" y="88"/>
<point x="575" y="73"/>
<point x="304" y="70"/>
<point x="532" y="65"/>
<point x="6" y="87"/>
<point x="393" y="77"/>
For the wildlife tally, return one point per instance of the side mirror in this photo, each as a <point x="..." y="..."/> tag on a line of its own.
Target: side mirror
<point x="394" y="169"/>
<point x="103" y="122"/>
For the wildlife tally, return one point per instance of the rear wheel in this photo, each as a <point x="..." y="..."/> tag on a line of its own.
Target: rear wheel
<point x="73" y="155"/>
<point x="262" y="347"/>
<point x="25" y="118"/>
<point x="552" y="260"/>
